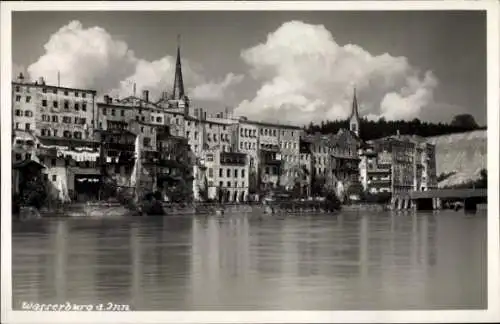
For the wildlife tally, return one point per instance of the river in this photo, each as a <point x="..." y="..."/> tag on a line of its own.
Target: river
<point x="349" y="261"/>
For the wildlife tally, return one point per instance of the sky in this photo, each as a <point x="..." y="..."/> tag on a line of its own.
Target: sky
<point x="281" y="66"/>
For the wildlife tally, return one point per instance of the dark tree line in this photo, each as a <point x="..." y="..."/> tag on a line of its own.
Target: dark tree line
<point x="381" y="128"/>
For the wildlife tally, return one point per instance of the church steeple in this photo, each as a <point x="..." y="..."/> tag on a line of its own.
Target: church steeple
<point x="354" y="118"/>
<point x="178" y="91"/>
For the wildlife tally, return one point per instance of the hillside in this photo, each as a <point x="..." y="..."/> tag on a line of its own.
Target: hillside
<point x="463" y="153"/>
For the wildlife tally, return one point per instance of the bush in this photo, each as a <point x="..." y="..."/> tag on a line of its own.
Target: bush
<point x="33" y="194"/>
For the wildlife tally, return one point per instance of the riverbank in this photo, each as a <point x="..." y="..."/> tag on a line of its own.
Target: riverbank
<point x="115" y="209"/>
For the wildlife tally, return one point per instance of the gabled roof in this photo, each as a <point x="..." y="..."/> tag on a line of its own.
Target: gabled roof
<point x="26" y="163"/>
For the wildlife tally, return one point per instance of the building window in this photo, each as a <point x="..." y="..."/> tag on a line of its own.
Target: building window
<point x="220" y="184"/>
<point x="53" y="162"/>
<point x="77" y="135"/>
<point x="28" y="99"/>
<point x="55" y="104"/>
<point x="66" y="104"/>
<point x="229" y="184"/>
<point x="158" y="119"/>
<point x="18" y="98"/>
<point x="18" y="112"/>
<point x="84" y="95"/>
<point x="142" y="129"/>
<point x="137" y="118"/>
<point x="66" y="93"/>
<point x="122" y="112"/>
<point x="54" y="177"/>
<point x="236" y="173"/>
<point x="18" y="89"/>
<point x="195" y="135"/>
<point x="67" y="134"/>
<point x="210" y="172"/>
<point x="55" y="119"/>
<point x="77" y="107"/>
<point x="147" y="141"/>
<point x="220" y="172"/>
<point x="17" y="125"/>
<point x="243" y="173"/>
<point x="112" y="112"/>
<point x="55" y="132"/>
<point x="228" y="173"/>
<point x="84" y="105"/>
<point x="44" y="102"/>
<point x="18" y="157"/>
<point x="27" y="126"/>
<point x="104" y="111"/>
<point x="143" y="118"/>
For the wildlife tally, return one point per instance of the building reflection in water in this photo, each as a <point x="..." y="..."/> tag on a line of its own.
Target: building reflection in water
<point x="136" y="251"/>
<point x="61" y="258"/>
<point x="346" y="261"/>
<point x="220" y="266"/>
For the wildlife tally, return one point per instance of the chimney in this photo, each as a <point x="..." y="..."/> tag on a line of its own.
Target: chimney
<point x="41" y="81"/>
<point x="21" y="77"/>
<point x="145" y="95"/>
<point x="106" y="99"/>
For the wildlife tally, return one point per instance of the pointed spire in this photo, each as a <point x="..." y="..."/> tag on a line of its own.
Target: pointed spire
<point x="178" y="91"/>
<point x="354" y="111"/>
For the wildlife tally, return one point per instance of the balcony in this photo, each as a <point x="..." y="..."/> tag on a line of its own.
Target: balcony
<point x="233" y="158"/>
<point x="270" y="158"/>
<point x="269" y="147"/>
<point x="118" y="147"/>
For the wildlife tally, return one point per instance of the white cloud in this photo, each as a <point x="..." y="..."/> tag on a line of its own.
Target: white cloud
<point x="92" y="58"/>
<point x="307" y="76"/>
<point x="215" y="91"/>
<point x="86" y="58"/>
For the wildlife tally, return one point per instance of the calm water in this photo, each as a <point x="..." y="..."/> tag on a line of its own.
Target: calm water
<point x="243" y="262"/>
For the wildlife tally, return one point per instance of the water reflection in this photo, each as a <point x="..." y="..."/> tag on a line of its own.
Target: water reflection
<point x="241" y="262"/>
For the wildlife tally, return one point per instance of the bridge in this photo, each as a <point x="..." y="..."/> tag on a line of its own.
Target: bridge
<point x="431" y="199"/>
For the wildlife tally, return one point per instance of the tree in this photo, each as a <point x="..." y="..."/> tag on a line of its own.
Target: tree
<point x="464" y="121"/>
<point x="253" y="183"/>
<point x="318" y="186"/>
<point x="203" y="190"/>
<point x="33" y="194"/>
<point x="355" y="188"/>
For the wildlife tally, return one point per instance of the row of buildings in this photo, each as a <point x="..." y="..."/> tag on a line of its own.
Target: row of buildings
<point x="76" y="140"/>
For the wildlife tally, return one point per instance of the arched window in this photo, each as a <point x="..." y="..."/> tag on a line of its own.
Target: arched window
<point x="77" y="135"/>
<point x="67" y="134"/>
